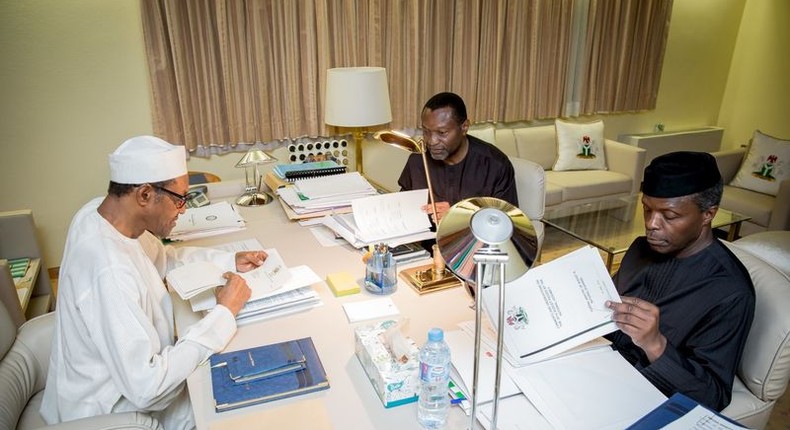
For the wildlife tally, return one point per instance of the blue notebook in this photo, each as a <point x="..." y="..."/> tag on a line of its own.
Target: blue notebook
<point x="266" y="373"/>
<point x="672" y="409"/>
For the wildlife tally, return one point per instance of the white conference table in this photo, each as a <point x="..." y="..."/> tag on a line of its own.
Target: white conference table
<point x="350" y="402"/>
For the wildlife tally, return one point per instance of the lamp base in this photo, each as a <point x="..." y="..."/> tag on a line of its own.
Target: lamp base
<point x="254" y="199"/>
<point x="424" y="279"/>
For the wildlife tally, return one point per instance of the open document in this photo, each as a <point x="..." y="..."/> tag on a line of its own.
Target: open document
<point x="555" y="307"/>
<point x="394" y="218"/>
<point x="276" y="289"/>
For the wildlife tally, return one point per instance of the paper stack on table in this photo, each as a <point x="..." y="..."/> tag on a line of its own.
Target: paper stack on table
<point x="329" y="194"/>
<point x="394" y="219"/>
<point x="276" y="289"/>
<point x="204" y="221"/>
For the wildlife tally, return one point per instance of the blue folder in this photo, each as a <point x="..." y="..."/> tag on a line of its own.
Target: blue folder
<point x="266" y="373"/>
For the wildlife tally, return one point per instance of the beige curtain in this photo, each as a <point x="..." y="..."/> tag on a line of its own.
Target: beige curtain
<point x="226" y="72"/>
<point x="624" y="54"/>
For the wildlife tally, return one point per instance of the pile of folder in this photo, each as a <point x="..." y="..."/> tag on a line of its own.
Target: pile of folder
<point x="393" y="219"/>
<point x="320" y="196"/>
<point x="211" y="220"/>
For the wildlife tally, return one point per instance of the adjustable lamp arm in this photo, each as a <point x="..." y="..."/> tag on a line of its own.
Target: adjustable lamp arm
<point x="406" y="143"/>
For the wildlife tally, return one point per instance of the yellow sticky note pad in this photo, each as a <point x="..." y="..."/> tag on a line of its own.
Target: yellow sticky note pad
<point x="342" y="283"/>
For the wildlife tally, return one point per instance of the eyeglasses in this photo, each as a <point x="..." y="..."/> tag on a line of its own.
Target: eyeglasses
<point x="181" y="200"/>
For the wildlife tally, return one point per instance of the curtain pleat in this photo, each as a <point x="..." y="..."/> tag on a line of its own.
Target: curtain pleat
<point x="228" y="72"/>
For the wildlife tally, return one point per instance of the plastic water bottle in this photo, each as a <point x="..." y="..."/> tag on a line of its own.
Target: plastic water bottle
<point x="434" y="402"/>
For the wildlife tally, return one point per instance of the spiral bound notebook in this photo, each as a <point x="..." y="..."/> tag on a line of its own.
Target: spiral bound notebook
<point x="294" y="172"/>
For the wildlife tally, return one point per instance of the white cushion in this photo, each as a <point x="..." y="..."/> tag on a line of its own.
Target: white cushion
<point x="766" y="165"/>
<point x="579" y="146"/>
<point x="483" y="131"/>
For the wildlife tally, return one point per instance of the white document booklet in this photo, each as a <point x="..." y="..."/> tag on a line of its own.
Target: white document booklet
<point x="394" y="218"/>
<point x="204" y="221"/>
<point x="555" y="307"/>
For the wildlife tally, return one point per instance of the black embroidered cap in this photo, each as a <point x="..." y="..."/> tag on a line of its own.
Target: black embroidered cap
<point x="679" y="174"/>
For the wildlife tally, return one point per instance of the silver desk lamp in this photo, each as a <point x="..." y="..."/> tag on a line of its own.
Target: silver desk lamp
<point x="253" y="194"/>
<point x="479" y="238"/>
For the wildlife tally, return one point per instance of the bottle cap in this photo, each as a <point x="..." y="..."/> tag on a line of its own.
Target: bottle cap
<point x="435" y="335"/>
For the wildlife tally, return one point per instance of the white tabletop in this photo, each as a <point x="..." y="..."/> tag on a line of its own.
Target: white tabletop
<point x="350" y="402"/>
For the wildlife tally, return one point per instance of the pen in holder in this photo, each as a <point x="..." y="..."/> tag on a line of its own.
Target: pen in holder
<point x="381" y="271"/>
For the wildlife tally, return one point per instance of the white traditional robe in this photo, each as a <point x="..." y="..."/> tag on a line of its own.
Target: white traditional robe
<point x="114" y="346"/>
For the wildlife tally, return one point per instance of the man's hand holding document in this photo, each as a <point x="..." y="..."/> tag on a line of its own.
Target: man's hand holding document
<point x="555" y="307"/>
<point x="394" y="218"/>
<point x="554" y="355"/>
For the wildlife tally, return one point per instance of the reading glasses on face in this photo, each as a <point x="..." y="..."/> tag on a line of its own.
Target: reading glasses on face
<point x="180" y="201"/>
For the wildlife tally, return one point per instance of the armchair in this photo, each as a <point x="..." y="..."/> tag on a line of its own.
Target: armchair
<point x="764" y="369"/>
<point x="768" y="212"/>
<point x="24" y="361"/>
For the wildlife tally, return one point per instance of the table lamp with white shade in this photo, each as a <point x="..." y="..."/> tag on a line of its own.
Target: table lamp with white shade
<point x="357" y="98"/>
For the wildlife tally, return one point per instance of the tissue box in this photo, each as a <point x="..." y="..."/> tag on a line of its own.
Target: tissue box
<point x="396" y="383"/>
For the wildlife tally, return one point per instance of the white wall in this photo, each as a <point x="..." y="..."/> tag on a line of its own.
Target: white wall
<point x="74" y="85"/>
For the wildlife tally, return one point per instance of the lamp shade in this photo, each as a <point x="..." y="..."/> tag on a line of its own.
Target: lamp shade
<point x="472" y="224"/>
<point x="255" y="156"/>
<point x="357" y="97"/>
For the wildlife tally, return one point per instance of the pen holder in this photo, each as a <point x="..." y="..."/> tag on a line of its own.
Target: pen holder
<point x="381" y="272"/>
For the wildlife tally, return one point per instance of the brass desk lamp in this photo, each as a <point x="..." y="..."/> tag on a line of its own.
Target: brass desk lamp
<point x="432" y="277"/>
<point x="479" y="238"/>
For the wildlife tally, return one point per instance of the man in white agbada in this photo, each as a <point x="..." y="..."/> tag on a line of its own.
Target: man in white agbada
<point x="114" y="347"/>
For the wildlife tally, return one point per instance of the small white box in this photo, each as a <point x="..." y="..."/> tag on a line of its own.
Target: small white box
<point x="396" y="383"/>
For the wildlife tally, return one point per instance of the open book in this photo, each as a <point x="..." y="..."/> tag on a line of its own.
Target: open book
<point x="394" y="218"/>
<point x="555" y="307"/>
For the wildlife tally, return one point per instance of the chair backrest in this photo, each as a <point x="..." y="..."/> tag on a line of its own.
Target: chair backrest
<point x="765" y="364"/>
<point x="196" y="177"/>
<point x="21" y="372"/>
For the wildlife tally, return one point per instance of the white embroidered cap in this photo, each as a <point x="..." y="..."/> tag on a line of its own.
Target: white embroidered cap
<point x="145" y="159"/>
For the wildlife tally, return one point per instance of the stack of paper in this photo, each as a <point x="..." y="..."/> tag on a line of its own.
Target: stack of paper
<point x="394" y="219"/>
<point x="214" y="219"/>
<point x="276" y="289"/>
<point x="328" y="194"/>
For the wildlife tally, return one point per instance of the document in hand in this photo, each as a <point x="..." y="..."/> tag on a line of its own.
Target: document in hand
<point x="214" y="219"/>
<point x="394" y="218"/>
<point x="555" y="307"/>
<point x="266" y="373"/>
<point x="192" y="279"/>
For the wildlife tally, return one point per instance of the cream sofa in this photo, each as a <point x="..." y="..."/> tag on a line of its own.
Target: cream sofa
<point x="767" y="212"/>
<point x="765" y="365"/>
<point x="625" y="164"/>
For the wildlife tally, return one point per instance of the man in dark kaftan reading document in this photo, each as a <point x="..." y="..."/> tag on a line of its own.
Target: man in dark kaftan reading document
<point x="461" y="166"/>
<point x="687" y="301"/>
